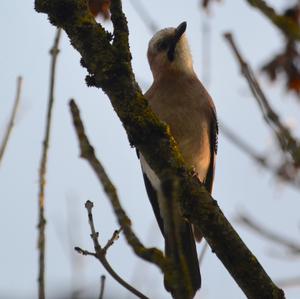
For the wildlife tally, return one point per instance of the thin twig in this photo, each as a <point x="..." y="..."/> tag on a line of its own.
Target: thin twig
<point x="43" y="168"/>
<point x="152" y="255"/>
<point x="293" y="247"/>
<point x="12" y="118"/>
<point x="100" y="254"/>
<point x="286" y="141"/>
<point x="111" y="241"/>
<point x="102" y="285"/>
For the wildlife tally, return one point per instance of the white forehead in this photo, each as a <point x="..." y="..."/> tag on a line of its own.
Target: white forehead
<point x="160" y="35"/>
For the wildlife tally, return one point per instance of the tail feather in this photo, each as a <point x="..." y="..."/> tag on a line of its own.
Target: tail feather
<point x="189" y="251"/>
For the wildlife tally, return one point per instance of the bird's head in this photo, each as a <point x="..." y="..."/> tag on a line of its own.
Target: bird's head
<point x="169" y="51"/>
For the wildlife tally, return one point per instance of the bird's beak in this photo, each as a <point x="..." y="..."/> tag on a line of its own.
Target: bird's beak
<point x="179" y="31"/>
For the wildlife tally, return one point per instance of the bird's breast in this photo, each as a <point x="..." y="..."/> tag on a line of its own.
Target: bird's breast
<point x="189" y="126"/>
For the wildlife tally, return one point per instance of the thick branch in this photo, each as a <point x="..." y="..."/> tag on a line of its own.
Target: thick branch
<point x="287" y="25"/>
<point x="154" y="141"/>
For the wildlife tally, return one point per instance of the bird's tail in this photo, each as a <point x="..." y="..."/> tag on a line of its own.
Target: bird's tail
<point x="189" y="252"/>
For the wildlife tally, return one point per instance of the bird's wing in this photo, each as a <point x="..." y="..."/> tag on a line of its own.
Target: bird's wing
<point x="152" y="194"/>
<point x="213" y="137"/>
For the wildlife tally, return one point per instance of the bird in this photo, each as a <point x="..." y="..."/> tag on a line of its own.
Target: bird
<point x="180" y="100"/>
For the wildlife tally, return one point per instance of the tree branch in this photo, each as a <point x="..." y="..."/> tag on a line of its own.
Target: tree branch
<point x="100" y="254"/>
<point x="286" y="141"/>
<point x="152" y="255"/>
<point x="43" y="168"/>
<point x="287" y="25"/>
<point x="112" y="240"/>
<point x="293" y="247"/>
<point x="153" y="139"/>
<point x="102" y="285"/>
<point x="12" y="118"/>
<point x="277" y="170"/>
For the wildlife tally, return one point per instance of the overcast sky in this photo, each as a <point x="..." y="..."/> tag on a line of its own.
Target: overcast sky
<point x="240" y="185"/>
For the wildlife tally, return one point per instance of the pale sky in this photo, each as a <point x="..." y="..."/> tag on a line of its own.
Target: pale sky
<point x="240" y="185"/>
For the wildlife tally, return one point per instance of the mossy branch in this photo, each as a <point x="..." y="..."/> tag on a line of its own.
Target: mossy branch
<point x="287" y="25"/>
<point x="111" y="70"/>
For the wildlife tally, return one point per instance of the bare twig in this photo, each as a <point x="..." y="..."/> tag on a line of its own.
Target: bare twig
<point x="111" y="241"/>
<point x="12" y="118"/>
<point x="102" y="285"/>
<point x="152" y="255"/>
<point x="43" y="168"/>
<point x="293" y="247"/>
<point x="100" y="254"/>
<point x="286" y="141"/>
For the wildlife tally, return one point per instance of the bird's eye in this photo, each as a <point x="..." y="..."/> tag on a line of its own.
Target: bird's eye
<point x="162" y="45"/>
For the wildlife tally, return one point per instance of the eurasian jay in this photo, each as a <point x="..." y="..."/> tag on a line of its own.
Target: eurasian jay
<point x="180" y="100"/>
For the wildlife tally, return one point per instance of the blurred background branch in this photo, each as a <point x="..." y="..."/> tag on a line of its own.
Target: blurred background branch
<point x="102" y="286"/>
<point x="286" y="24"/>
<point x="43" y="169"/>
<point x="286" y="141"/>
<point x="11" y="121"/>
<point x="282" y="241"/>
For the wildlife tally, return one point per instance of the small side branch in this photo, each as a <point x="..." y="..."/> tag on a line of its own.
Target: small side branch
<point x="12" y="118"/>
<point x="100" y="254"/>
<point x="111" y="241"/>
<point x="43" y="169"/>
